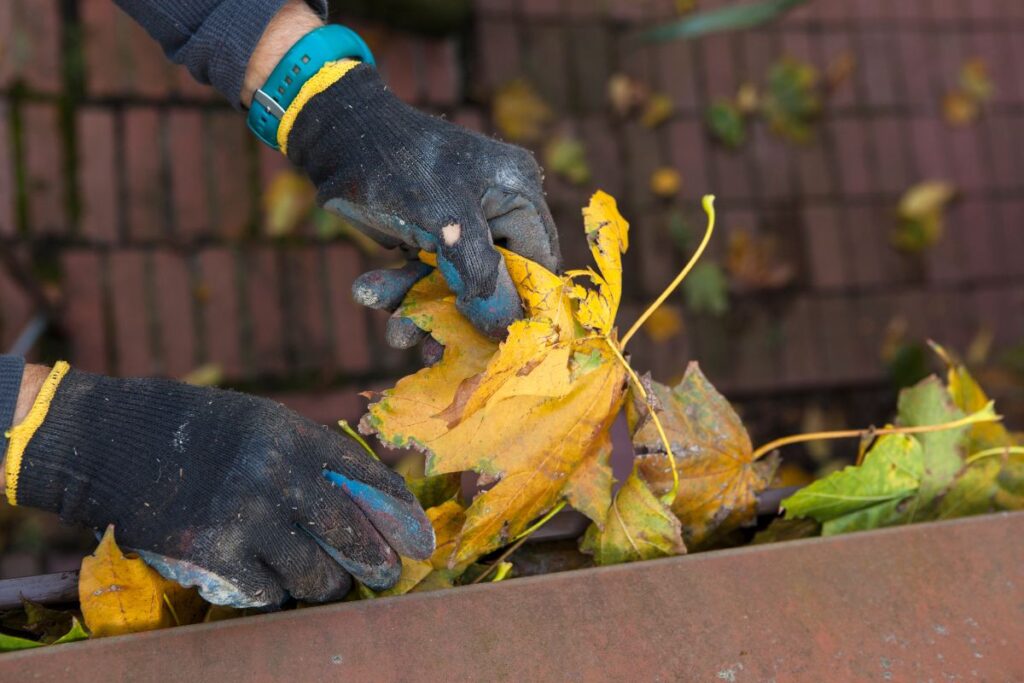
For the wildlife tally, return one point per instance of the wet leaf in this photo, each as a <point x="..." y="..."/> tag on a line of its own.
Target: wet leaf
<point x="287" y="202"/>
<point x="753" y="261"/>
<point x="658" y="110"/>
<point x="429" y="491"/>
<point x="921" y="215"/>
<point x="567" y="157"/>
<point x="666" y="182"/>
<point x="638" y="527"/>
<point x="727" y="124"/>
<point x="665" y="323"/>
<point x="706" y="290"/>
<point x="990" y="484"/>
<point x="718" y="477"/>
<point x="520" y="114"/>
<point x="531" y="414"/>
<point x="864" y="496"/>
<point x="792" y="102"/>
<point x="782" y="529"/>
<point x="121" y="594"/>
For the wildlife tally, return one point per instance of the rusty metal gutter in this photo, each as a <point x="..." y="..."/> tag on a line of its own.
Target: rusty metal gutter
<point x="940" y="601"/>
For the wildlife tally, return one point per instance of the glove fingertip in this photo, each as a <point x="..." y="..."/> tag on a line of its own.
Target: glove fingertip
<point x="493" y="314"/>
<point x="402" y="333"/>
<point x="402" y="523"/>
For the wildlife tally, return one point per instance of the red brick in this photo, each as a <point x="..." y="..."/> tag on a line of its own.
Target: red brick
<point x="652" y="244"/>
<point x="263" y="295"/>
<point x="876" y="71"/>
<point x="272" y="163"/>
<point x="1003" y="136"/>
<point x="801" y="353"/>
<point x="16" y="309"/>
<point x="757" y="366"/>
<point x="678" y="73"/>
<point x="993" y="48"/>
<point x="97" y="174"/>
<point x="1016" y="50"/>
<point x="131" y="325"/>
<point x="499" y="6"/>
<point x="441" y="70"/>
<point x="945" y="260"/>
<point x="890" y="155"/>
<point x="351" y="336"/>
<point x="837" y="317"/>
<point x="970" y="170"/>
<point x="643" y="154"/>
<point x="546" y="61"/>
<point x="719" y="65"/>
<point x="731" y="173"/>
<point x="151" y="72"/>
<point x="471" y="119"/>
<point x="232" y="197"/>
<point x="773" y="163"/>
<point x="189" y="189"/>
<point x="833" y="10"/>
<point x="982" y="255"/>
<point x="917" y="63"/>
<point x="542" y="8"/>
<point x="44" y="170"/>
<point x="325" y="407"/>
<point x="816" y="178"/>
<point x="7" y="66"/>
<point x="604" y="154"/>
<point x="398" y="66"/>
<point x="589" y="46"/>
<point x="175" y="321"/>
<point x="33" y="48"/>
<point x="927" y="136"/>
<point x="189" y="88"/>
<point x="220" y="310"/>
<point x="308" y="312"/>
<point x="103" y="64"/>
<point x="499" y="53"/>
<point x="83" y="310"/>
<point x="8" y="186"/>
<point x="871" y="9"/>
<point x="870" y="258"/>
<point x="688" y="152"/>
<point x="948" y="10"/>
<point x="850" y="139"/>
<point x="1011" y="220"/>
<point x="826" y="253"/>
<point x="146" y="193"/>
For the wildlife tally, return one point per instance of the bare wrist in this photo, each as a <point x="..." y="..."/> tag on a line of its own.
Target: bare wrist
<point x="294" y="20"/>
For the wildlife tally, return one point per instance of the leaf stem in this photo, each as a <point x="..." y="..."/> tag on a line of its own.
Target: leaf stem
<point x="988" y="452"/>
<point x="519" y="540"/>
<point x="709" y="208"/>
<point x="542" y="521"/>
<point x="983" y="415"/>
<point x="504" y="556"/>
<point x="347" y="428"/>
<point x="670" y="497"/>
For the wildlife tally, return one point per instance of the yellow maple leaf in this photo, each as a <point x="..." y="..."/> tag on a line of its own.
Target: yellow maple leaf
<point x="532" y="413"/>
<point x="718" y="477"/>
<point x="120" y="594"/>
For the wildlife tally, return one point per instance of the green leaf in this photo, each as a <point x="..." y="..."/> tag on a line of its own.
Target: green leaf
<point x="988" y="485"/>
<point x="783" y="529"/>
<point x="429" y="491"/>
<point x="928" y="403"/>
<point x="567" y="157"/>
<point x="77" y="632"/>
<point x="733" y="18"/>
<point x="792" y="103"/>
<point x="13" y="643"/>
<point x="726" y="123"/>
<point x="638" y="527"/>
<point x="706" y="289"/>
<point x="865" y="496"/>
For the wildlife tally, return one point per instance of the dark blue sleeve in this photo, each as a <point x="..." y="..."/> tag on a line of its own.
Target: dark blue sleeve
<point x="212" y="38"/>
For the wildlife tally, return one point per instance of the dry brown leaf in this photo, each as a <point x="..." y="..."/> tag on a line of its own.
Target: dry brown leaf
<point x="753" y="261"/>
<point x="719" y="479"/>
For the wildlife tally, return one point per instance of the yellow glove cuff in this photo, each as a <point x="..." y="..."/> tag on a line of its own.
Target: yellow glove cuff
<point x="20" y="434"/>
<point x="331" y="73"/>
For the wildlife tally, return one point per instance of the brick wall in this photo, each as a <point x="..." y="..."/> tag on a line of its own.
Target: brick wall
<point x="136" y="193"/>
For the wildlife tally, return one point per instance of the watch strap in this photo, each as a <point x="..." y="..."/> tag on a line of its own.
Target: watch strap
<point x="305" y="58"/>
<point x="11" y="370"/>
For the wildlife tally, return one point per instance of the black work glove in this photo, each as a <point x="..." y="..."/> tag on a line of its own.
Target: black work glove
<point x="408" y="179"/>
<point x="228" y="492"/>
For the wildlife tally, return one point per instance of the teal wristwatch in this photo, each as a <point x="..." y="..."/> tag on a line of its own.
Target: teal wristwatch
<point x="308" y="56"/>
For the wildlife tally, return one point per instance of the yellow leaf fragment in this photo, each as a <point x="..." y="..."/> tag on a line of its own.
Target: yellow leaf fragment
<point x="122" y="594"/>
<point x="288" y="201"/>
<point x="608" y="236"/>
<point x="666" y="182"/>
<point x="719" y="477"/>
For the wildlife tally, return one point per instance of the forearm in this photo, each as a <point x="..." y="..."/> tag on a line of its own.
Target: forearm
<point x="31" y="381"/>
<point x="218" y="39"/>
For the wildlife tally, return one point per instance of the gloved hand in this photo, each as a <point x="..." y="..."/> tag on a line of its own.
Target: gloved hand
<point x="411" y="180"/>
<point x="228" y="492"/>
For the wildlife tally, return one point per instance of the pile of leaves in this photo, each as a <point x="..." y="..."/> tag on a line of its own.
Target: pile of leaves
<point x="531" y="416"/>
